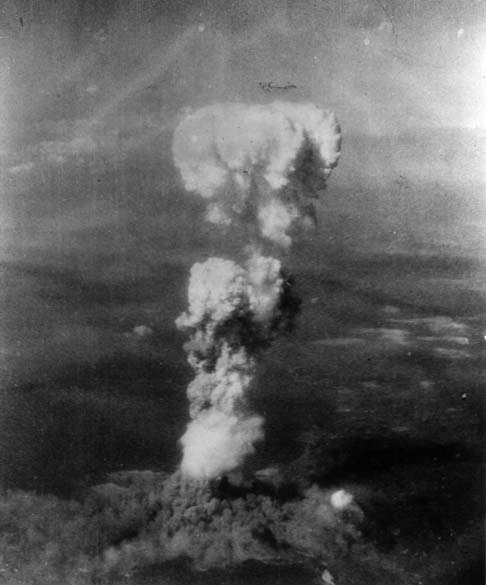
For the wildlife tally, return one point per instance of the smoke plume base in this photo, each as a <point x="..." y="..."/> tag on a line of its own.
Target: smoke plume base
<point x="142" y="519"/>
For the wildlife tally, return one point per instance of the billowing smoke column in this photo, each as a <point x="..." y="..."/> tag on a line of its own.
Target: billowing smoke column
<point x="233" y="312"/>
<point x="259" y="166"/>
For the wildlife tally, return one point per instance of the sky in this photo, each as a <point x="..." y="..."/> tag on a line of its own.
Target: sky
<point x="90" y="95"/>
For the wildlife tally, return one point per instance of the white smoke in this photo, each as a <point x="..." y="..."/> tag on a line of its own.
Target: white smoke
<point x="216" y="442"/>
<point x="218" y="288"/>
<point x="256" y="165"/>
<point x="258" y="161"/>
<point x="233" y="312"/>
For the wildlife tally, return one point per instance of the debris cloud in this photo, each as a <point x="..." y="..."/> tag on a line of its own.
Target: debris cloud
<point x="140" y="519"/>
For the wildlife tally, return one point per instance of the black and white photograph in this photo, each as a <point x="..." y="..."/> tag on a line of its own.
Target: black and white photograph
<point x="242" y="292"/>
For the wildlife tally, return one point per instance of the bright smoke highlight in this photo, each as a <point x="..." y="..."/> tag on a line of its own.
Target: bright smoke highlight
<point x="259" y="166"/>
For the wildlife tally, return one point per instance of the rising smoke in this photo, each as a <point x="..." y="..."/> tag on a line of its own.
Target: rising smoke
<point x="260" y="167"/>
<point x="233" y="312"/>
